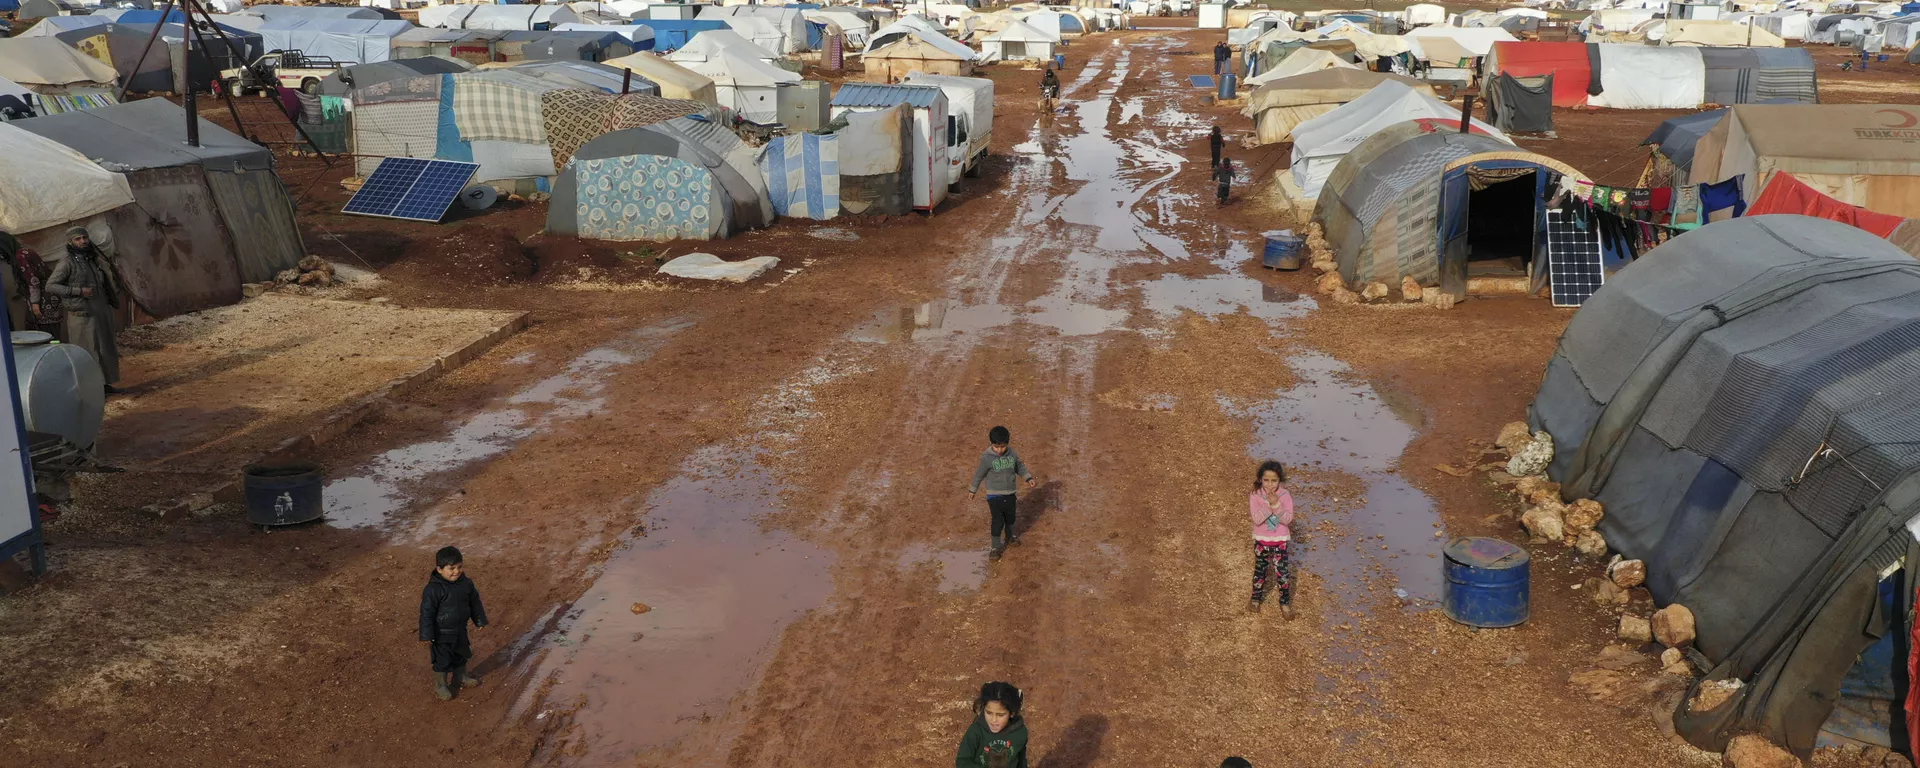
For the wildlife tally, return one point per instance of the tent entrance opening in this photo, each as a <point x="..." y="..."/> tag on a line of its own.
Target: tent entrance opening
<point x="1500" y="226"/>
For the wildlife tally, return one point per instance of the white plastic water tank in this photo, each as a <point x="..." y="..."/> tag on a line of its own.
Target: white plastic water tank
<point x="61" y="389"/>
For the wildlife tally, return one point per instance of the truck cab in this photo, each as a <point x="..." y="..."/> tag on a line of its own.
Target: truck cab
<point x="959" y="151"/>
<point x="290" y="69"/>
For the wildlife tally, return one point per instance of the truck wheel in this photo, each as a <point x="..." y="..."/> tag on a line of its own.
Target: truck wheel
<point x="973" y="171"/>
<point x="310" y="87"/>
<point x="233" y="89"/>
<point x="954" y="188"/>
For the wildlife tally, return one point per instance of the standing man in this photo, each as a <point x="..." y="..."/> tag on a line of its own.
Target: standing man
<point x="1221" y="55"/>
<point x="84" y="283"/>
<point x="1215" y="143"/>
<point x="1223" y="173"/>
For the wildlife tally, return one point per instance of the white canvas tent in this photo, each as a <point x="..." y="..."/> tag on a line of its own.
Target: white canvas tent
<point x="511" y="18"/>
<point x="907" y="26"/>
<point x="1018" y="42"/>
<point x="349" y="41"/>
<point x="1301" y="62"/>
<point x="46" y="62"/>
<point x="1650" y="77"/>
<point x="942" y="43"/>
<point x="633" y="32"/>
<point x="715" y="39"/>
<point x="742" y="79"/>
<point x="1476" y="40"/>
<point x="1056" y="23"/>
<point x="1423" y="14"/>
<point x="43" y="183"/>
<point x="782" y="30"/>
<point x="1318" y="144"/>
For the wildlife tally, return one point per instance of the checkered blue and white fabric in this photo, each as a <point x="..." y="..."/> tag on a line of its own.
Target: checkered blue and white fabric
<point x="499" y="106"/>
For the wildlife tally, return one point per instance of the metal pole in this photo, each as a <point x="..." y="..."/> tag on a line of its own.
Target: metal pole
<point x="1466" y="113"/>
<point x="164" y="11"/>
<point x="240" y="55"/>
<point x="626" y="81"/>
<point x="192" y="99"/>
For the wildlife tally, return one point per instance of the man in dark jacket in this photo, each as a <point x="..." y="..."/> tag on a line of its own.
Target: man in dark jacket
<point x="1223" y="174"/>
<point x="1221" y="55"/>
<point x="446" y="605"/>
<point x="1216" y="141"/>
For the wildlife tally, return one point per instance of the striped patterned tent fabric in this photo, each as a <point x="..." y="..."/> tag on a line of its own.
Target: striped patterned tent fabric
<point x="802" y="172"/>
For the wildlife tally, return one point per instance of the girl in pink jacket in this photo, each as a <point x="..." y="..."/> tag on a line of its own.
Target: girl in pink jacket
<point x="1272" y="510"/>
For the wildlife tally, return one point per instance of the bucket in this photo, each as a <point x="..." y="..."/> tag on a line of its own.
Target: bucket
<point x="1487" y="582"/>
<point x="283" y="494"/>
<point x="1059" y="61"/>
<point x="1227" y="83"/>
<point x="1283" y="250"/>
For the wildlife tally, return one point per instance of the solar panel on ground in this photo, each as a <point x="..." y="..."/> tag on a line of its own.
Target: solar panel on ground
<point x="1573" y="260"/>
<point x="1201" y="81"/>
<point x="411" y="188"/>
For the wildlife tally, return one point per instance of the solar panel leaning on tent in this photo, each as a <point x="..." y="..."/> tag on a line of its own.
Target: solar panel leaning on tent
<point x="410" y="188"/>
<point x="1739" y="399"/>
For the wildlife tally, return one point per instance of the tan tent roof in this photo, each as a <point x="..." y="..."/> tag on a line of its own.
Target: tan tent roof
<point x="1299" y="63"/>
<point x="1446" y="52"/>
<point x="43" y="183"/>
<point x="46" y="61"/>
<point x="912" y="47"/>
<point x="675" y="81"/>
<point x="1327" y="86"/>
<point x="1862" y="154"/>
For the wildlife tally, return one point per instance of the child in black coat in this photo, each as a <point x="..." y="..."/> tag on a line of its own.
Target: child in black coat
<point x="446" y="605"/>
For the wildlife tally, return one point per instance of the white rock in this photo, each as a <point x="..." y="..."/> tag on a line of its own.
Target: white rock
<point x="1533" y="458"/>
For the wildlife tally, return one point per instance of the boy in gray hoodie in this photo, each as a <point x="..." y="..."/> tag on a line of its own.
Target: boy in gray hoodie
<point x="999" y="466"/>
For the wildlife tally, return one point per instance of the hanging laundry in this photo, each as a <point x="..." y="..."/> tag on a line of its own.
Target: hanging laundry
<point x="1640" y="203"/>
<point x="1722" y="201"/>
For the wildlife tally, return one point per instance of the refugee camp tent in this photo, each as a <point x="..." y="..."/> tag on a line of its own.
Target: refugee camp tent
<point x="574" y="46"/>
<point x="54" y="25"/>
<point x="138" y="66"/>
<point x="1300" y="62"/>
<point x="349" y="41"/>
<point x="1787" y="25"/>
<point x="1739" y="399"/>
<point x="1277" y="106"/>
<point x="1018" y="42"/>
<point x="342" y="82"/>
<point x="1844" y="29"/>
<point x="1902" y="32"/>
<point x="876" y="161"/>
<point x="667" y="181"/>
<point x="674" y="81"/>
<point x="45" y="65"/>
<point x="1447" y="61"/>
<point x="1786" y="194"/>
<point x="587" y="75"/>
<point x="1751" y="75"/>
<point x="674" y="35"/>
<point x="1719" y="33"/>
<point x="742" y="80"/>
<point x="1649" y="77"/>
<point x="1424" y="14"/>
<point x="907" y="26"/>
<point x="278" y="12"/>
<point x="42" y="9"/>
<point x="731" y="40"/>
<point x="781" y="30"/>
<point x="1675" y="138"/>
<point x="1857" y="153"/>
<point x="1060" y="24"/>
<point x="892" y="62"/>
<point x="474" y="46"/>
<point x="1320" y="142"/>
<point x="521" y="18"/>
<point x="44" y="183"/>
<point x="1521" y="105"/>
<point x="641" y="37"/>
<point x="176" y="244"/>
<point x="1422" y="200"/>
<point x="1476" y="41"/>
<point x="1568" y="63"/>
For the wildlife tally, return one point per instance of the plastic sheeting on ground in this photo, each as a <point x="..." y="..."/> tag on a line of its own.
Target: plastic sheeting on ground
<point x="706" y="266"/>
<point x="44" y="183"/>
<point x="1648" y="77"/>
<point x="802" y="172"/>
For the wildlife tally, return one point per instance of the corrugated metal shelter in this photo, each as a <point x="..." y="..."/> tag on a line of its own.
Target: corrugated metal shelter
<point x="1421" y="200"/>
<point x="1740" y="399"/>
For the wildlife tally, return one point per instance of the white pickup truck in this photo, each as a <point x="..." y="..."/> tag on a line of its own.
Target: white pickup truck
<point x="969" y="120"/>
<point x="292" y="68"/>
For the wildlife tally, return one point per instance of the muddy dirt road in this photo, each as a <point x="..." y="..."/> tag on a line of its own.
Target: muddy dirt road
<point x="729" y="526"/>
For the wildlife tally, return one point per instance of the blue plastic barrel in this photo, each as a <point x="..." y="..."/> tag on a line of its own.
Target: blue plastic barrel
<point x="1227" y="83"/>
<point x="283" y="494"/>
<point x="1487" y="582"/>
<point x="1283" y="250"/>
<point x="1059" y="60"/>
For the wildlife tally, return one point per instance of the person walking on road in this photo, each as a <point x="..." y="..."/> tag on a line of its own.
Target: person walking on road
<point x="1223" y="174"/>
<point x="998" y="737"/>
<point x="84" y="282"/>
<point x="1216" y="142"/>
<point x="998" y="468"/>
<point x="1271" y="508"/>
<point x="1221" y="55"/>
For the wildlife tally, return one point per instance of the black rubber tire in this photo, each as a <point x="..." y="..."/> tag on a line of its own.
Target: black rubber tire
<point x="973" y="171"/>
<point x="310" y="87"/>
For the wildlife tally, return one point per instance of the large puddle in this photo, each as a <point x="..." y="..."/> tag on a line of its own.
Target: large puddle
<point x="370" y="494"/>
<point x="680" y="620"/>
<point x="1330" y="420"/>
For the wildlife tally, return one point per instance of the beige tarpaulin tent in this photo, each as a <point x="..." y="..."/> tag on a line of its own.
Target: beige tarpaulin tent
<point x="1301" y="62"/>
<point x="892" y="62"/>
<point x="1860" y="154"/>
<point x="45" y="184"/>
<point x="44" y="61"/>
<point x="675" y="81"/>
<point x="1282" y="104"/>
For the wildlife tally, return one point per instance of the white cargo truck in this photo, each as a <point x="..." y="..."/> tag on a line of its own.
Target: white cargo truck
<point x="969" y="120"/>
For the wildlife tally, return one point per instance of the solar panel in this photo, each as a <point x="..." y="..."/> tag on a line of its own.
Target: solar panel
<point x="1201" y="81"/>
<point x="411" y="188"/>
<point x="1573" y="260"/>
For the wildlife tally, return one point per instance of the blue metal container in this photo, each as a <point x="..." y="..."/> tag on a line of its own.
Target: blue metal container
<point x="1487" y="582"/>
<point x="283" y="494"/>
<point x="1227" y="83"/>
<point x="1283" y="250"/>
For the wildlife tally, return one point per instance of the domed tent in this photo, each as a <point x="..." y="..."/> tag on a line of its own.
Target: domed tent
<point x="667" y="181"/>
<point x="1741" y="401"/>
<point x="1422" y="200"/>
<point x="1279" y="105"/>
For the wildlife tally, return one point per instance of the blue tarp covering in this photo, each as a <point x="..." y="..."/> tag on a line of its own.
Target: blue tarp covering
<point x="139" y="16"/>
<point x="673" y="34"/>
<point x="802" y="172"/>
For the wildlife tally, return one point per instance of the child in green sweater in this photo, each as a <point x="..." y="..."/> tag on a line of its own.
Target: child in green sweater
<point x="998" y="737"/>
